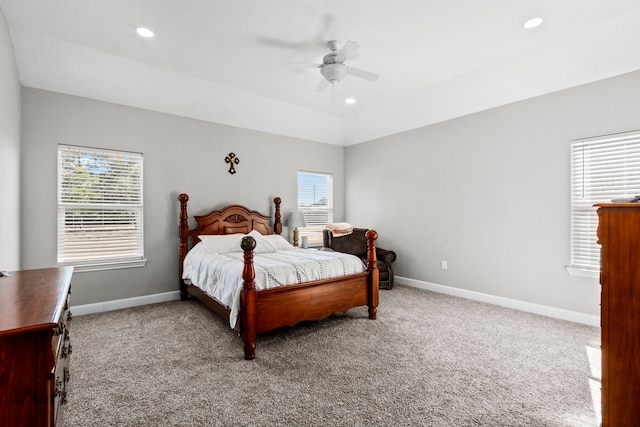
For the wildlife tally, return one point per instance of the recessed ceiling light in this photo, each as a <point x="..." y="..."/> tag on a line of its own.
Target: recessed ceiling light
<point x="533" y="23"/>
<point x="144" y="32"/>
<point x="350" y="101"/>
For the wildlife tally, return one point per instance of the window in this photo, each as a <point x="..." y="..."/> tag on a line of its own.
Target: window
<point x="315" y="201"/>
<point x="602" y="169"/>
<point x="99" y="208"/>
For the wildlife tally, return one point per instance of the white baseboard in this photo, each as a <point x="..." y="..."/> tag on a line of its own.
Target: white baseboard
<point x="544" y="310"/>
<point x="100" y="307"/>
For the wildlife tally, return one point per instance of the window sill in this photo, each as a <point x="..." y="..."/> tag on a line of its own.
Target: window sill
<point x="573" y="271"/>
<point x="113" y="265"/>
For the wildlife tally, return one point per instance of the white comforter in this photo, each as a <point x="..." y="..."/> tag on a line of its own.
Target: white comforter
<point x="220" y="275"/>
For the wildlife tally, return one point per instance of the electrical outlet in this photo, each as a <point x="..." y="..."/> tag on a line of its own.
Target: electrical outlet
<point x="443" y="265"/>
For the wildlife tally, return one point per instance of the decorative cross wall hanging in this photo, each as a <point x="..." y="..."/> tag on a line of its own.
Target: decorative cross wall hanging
<point x="232" y="160"/>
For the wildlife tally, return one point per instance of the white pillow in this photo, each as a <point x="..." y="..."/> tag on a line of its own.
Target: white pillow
<point x="222" y="243"/>
<point x="278" y="242"/>
<point x="226" y="243"/>
<point x="262" y="245"/>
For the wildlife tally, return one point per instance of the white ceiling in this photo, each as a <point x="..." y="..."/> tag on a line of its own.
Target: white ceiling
<point x="224" y="61"/>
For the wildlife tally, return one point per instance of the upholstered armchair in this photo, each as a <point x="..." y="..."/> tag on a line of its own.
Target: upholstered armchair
<point x="356" y="244"/>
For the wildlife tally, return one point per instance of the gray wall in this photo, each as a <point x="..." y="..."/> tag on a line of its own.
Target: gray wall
<point x="489" y="193"/>
<point x="180" y="155"/>
<point x="9" y="153"/>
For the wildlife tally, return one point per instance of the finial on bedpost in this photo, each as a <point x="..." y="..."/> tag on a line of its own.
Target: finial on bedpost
<point x="184" y="237"/>
<point x="371" y="236"/>
<point x="277" y="224"/>
<point x="248" y="309"/>
<point x="374" y="274"/>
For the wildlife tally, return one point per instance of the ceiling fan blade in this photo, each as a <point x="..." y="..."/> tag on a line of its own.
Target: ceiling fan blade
<point x="324" y="84"/>
<point x="347" y="50"/>
<point x="279" y="43"/>
<point x="367" y="75"/>
<point x="304" y="64"/>
<point x="327" y="20"/>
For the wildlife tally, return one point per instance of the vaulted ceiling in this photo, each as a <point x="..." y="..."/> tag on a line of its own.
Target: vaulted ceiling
<point x="226" y="61"/>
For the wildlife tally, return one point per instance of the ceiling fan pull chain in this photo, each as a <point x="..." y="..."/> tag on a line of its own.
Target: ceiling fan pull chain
<point x="333" y="95"/>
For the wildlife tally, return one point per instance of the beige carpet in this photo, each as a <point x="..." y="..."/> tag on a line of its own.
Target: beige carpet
<point x="429" y="360"/>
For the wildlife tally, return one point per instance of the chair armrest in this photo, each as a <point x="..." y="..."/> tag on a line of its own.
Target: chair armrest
<point x="386" y="255"/>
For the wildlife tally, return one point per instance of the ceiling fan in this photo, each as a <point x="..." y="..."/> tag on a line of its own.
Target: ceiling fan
<point x="333" y="68"/>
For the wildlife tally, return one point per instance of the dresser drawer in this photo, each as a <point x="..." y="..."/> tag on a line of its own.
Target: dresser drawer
<point x="57" y="387"/>
<point x="61" y="343"/>
<point x="57" y="392"/>
<point x="61" y="333"/>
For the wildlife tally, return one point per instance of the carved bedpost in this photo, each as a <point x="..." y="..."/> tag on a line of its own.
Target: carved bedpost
<point x="374" y="274"/>
<point x="277" y="224"/>
<point x="184" y="237"/>
<point x="248" y="300"/>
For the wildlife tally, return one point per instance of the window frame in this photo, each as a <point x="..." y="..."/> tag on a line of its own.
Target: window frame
<point x="603" y="168"/>
<point x="314" y="232"/>
<point x="108" y="206"/>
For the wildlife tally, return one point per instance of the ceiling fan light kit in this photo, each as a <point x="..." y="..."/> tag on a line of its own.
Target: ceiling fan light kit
<point x="334" y="72"/>
<point x="333" y="68"/>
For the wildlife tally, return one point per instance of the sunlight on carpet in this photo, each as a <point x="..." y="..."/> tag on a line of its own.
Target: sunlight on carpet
<point x="595" y="382"/>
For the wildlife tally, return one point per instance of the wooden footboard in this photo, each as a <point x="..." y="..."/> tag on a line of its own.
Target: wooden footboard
<point x="265" y="310"/>
<point x="268" y="309"/>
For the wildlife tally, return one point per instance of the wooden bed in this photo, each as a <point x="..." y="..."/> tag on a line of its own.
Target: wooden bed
<point x="264" y="310"/>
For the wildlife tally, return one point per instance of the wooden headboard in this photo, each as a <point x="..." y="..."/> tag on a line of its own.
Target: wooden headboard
<point x="228" y="220"/>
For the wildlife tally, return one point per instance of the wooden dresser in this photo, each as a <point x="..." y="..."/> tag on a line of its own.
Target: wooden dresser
<point x="34" y="346"/>
<point x="619" y="235"/>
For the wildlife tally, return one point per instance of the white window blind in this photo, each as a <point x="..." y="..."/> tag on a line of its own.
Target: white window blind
<point x="100" y="207"/>
<point x="602" y="169"/>
<point x="315" y="201"/>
